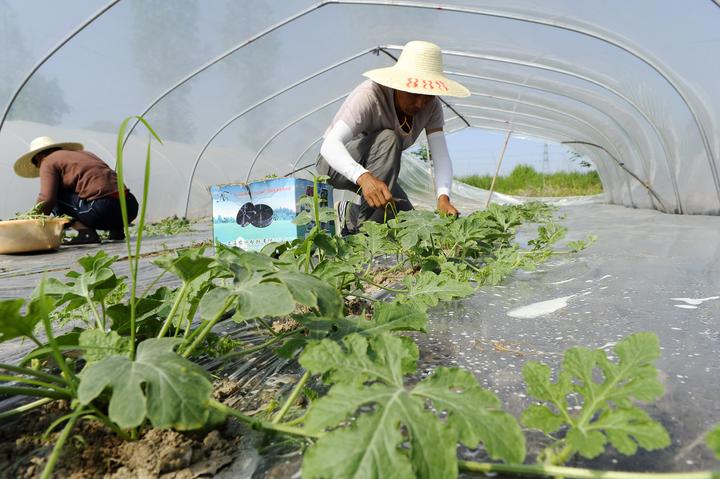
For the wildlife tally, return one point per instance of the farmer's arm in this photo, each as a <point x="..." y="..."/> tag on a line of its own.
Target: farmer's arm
<point x="374" y="190"/>
<point x="49" y="184"/>
<point x="337" y="156"/>
<point x="443" y="169"/>
<point x="355" y="116"/>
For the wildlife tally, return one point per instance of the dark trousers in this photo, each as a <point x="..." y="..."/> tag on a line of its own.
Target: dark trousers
<point x="100" y="214"/>
<point x="380" y="153"/>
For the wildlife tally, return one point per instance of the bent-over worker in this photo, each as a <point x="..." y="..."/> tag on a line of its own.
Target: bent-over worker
<point x="76" y="183"/>
<point x="380" y="118"/>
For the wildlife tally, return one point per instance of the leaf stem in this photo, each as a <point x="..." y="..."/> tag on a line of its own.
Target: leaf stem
<point x="578" y="473"/>
<point x="32" y="372"/>
<point x="119" y="167"/>
<point x="106" y="420"/>
<point x="136" y="258"/>
<point x="291" y="399"/>
<point x="36" y="341"/>
<point x="35" y="382"/>
<point x="195" y="332"/>
<point x="367" y="298"/>
<point x="369" y="265"/>
<point x="93" y="308"/>
<point x="180" y="320"/>
<point x="472" y="266"/>
<point x="397" y="266"/>
<point x="47" y="472"/>
<point x="104" y="313"/>
<point x="59" y="359"/>
<point x="25" y="408"/>
<point x="308" y="251"/>
<point x="23" y="391"/>
<point x="265" y="325"/>
<point x="178" y="300"/>
<point x="256" y="423"/>
<point x="188" y="325"/>
<point x="207" y="329"/>
<point x="154" y="282"/>
<point x="564" y="455"/>
<point x="296" y="421"/>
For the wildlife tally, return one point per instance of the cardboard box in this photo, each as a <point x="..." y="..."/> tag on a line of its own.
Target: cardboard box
<point x="253" y="215"/>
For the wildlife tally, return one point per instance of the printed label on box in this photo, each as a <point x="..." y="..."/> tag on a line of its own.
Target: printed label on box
<point x="253" y="215"/>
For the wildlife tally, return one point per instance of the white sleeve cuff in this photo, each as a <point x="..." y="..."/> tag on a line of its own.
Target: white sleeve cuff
<point x="334" y="151"/>
<point x="441" y="163"/>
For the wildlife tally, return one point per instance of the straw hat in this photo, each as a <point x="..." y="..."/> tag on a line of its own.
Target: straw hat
<point x="24" y="166"/>
<point x="418" y="70"/>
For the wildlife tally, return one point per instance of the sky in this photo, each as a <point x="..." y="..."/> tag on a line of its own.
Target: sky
<point x="476" y="152"/>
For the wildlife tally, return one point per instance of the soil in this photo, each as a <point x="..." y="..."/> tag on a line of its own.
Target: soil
<point x="382" y="276"/>
<point x="362" y="307"/>
<point x="358" y="307"/>
<point x="284" y="325"/>
<point x="94" y="451"/>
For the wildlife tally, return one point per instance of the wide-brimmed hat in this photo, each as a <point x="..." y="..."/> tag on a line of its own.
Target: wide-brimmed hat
<point x="418" y="70"/>
<point x="24" y="166"/>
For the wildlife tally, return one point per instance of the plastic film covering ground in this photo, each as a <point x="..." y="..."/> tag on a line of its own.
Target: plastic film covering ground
<point x="647" y="272"/>
<point x="239" y="90"/>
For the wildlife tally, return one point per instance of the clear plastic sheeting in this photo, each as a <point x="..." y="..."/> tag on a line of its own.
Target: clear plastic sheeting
<point x="244" y="89"/>
<point x="417" y="175"/>
<point x="647" y="272"/>
<point x="416" y="180"/>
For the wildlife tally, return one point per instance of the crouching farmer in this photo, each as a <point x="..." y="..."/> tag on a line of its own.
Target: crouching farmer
<point x="78" y="184"/>
<point x="380" y="118"/>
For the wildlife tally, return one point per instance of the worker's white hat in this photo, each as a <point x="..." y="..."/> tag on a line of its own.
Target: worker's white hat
<point x="24" y="166"/>
<point x="418" y="70"/>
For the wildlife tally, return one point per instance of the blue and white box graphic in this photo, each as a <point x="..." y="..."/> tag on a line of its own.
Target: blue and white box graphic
<point x="253" y="215"/>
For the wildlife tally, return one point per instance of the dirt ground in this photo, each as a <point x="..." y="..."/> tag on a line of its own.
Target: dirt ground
<point x="94" y="451"/>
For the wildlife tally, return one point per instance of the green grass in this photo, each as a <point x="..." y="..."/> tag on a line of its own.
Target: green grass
<point x="172" y="225"/>
<point x="525" y="181"/>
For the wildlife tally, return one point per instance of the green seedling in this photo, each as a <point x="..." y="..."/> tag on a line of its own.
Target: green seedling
<point x="158" y="385"/>
<point x="713" y="441"/>
<point x="379" y="424"/>
<point x="170" y="226"/>
<point x="607" y="411"/>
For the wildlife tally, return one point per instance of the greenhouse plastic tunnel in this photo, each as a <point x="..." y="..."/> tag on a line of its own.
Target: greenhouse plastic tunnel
<point x="242" y="90"/>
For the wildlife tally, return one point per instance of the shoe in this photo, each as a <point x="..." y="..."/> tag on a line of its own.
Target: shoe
<point x="116" y="235"/>
<point x="86" y="236"/>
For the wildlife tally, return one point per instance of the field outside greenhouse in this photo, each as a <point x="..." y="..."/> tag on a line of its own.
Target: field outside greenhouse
<point x="524" y="180"/>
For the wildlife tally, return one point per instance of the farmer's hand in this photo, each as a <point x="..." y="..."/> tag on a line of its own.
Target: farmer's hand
<point x="445" y="207"/>
<point x="374" y="190"/>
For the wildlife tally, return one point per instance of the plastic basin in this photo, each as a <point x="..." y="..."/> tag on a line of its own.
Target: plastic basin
<point x="23" y="236"/>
